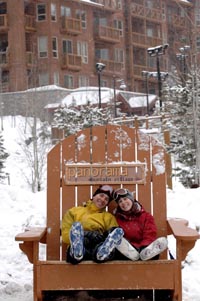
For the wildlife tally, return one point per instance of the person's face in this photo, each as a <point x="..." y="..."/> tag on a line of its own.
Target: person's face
<point x="100" y="200"/>
<point x="125" y="204"/>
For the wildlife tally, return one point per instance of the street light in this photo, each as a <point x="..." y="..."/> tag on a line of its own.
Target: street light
<point x="147" y="75"/>
<point x="182" y="58"/>
<point x="99" y="68"/>
<point x="122" y="87"/>
<point x="157" y="51"/>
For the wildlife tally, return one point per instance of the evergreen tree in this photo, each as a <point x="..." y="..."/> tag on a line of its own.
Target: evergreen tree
<point x="182" y="104"/>
<point x="3" y="156"/>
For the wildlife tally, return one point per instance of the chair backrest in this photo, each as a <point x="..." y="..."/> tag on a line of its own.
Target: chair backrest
<point x="112" y="154"/>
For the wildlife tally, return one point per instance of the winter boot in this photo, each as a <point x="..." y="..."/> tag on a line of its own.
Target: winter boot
<point x="155" y="248"/>
<point x="113" y="239"/>
<point x="76" y="241"/>
<point x="128" y="250"/>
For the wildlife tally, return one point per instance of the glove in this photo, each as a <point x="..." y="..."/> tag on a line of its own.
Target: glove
<point x="94" y="237"/>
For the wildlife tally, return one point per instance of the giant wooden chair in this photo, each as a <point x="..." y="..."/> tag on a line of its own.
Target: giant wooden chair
<point x="117" y="155"/>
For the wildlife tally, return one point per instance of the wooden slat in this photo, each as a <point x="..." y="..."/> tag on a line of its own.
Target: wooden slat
<point x="118" y="275"/>
<point x="128" y="150"/>
<point x="83" y="156"/>
<point x="143" y="155"/>
<point x="98" y="144"/>
<point x="159" y="186"/>
<point x="53" y="203"/>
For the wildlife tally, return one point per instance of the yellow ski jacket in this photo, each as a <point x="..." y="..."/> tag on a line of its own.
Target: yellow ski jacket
<point x="91" y="218"/>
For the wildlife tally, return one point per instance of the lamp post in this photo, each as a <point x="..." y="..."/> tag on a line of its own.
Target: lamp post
<point x="182" y="58"/>
<point x="146" y="75"/>
<point x="157" y="51"/>
<point x="99" y="68"/>
<point x="122" y="87"/>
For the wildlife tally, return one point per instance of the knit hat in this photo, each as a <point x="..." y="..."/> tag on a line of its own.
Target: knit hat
<point x="106" y="189"/>
<point x="122" y="193"/>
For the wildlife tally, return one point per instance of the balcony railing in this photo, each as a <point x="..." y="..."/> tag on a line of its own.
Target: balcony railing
<point x="112" y="66"/>
<point x="108" y="34"/>
<point x="148" y="13"/>
<point x="143" y="40"/>
<point x="71" y="25"/>
<point x="72" y="62"/>
<point x="177" y="21"/>
<point x="4" y="59"/>
<point x="29" y="58"/>
<point x="3" y="22"/>
<point x="30" y="23"/>
<point x="109" y="4"/>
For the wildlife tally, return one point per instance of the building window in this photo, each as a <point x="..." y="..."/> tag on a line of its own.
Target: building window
<point x="83" y="81"/>
<point x="102" y="54"/>
<point x="53" y="12"/>
<point x="119" y="55"/>
<point x="81" y="14"/>
<point x="68" y="81"/>
<point x="42" y="47"/>
<point x="118" y="24"/>
<point x="65" y="11"/>
<point x="67" y="46"/>
<point x="41" y="12"/>
<point x="43" y="79"/>
<point x="56" y="78"/>
<point x="118" y="4"/>
<point x="82" y="50"/>
<point x="54" y="47"/>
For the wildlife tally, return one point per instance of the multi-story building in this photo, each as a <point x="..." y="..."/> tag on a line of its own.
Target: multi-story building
<point x="45" y="42"/>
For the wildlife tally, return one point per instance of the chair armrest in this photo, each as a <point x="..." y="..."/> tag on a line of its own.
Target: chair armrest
<point x="179" y="228"/>
<point x="32" y="234"/>
<point x="31" y="239"/>
<point x="185" y="237"/>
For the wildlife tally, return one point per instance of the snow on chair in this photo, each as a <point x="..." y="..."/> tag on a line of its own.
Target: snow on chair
<point x="116" y="155"/>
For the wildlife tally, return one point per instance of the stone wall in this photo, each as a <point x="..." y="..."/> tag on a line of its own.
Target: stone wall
<point x="30" y="102"/>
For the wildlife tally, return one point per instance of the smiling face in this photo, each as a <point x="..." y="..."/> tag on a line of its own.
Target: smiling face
<point x="125" y="204"/>
<point x="100" y="200"/>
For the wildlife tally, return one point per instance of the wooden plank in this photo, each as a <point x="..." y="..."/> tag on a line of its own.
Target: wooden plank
<point x="98" y="144"/>
<point x="120" y="275"/>
<point x="159" y="186"/>
<point x="53" y="203"/>
<point x="83" y="150"/>
<point x="144" y="155"/>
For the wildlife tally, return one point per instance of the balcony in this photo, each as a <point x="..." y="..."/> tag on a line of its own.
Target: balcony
<point x="71" y="26"/>
<point x="112" y="66"/>
<point x="145" y="41"/>
<point x="109" y="4"/>
<point x="72" y="62"/>
<point x="29" y="59"/>
<point x="108" y="34"/>
<point x="152" y="14"/>
<point x="3" y="23"/>
<point x="30" y="23"/>
<point x="4" y="59"/>
<point x="177" y="21"/>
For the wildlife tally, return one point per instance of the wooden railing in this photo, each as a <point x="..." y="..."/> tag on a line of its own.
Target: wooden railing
<point x="144" y="40"/>
<point x="30" y="23"/>
<point x="112" y="66"/>
<point x="148" y="13"/>
<point x="72" y="61"/>
<point x="4" y="59"/>
<point x="71" y="25"/>
<point x="108" y="34"/>
<point x="3" y="21"/>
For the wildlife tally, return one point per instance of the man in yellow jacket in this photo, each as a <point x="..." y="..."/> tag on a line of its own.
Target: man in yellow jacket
<point x="90" y="232"/>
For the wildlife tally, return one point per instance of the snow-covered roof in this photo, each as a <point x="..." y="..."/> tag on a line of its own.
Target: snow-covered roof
<point x="83" y="96"/>
<point x="47" y="88"/>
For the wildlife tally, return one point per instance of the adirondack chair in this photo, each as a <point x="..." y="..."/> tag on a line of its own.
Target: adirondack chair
<point x="118" y="155"/>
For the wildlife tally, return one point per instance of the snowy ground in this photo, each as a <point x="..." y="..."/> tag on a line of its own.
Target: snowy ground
<point x="21" y="208"/>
